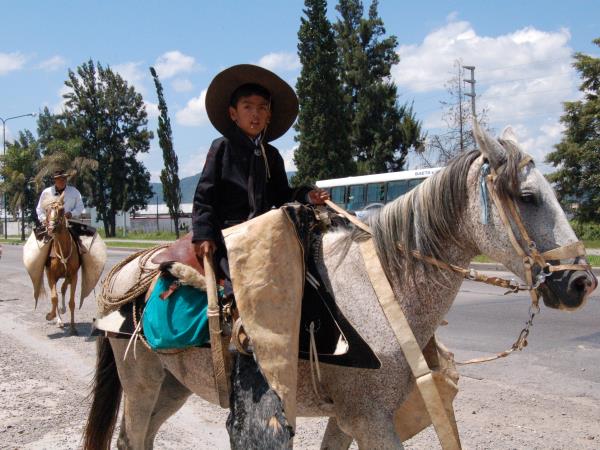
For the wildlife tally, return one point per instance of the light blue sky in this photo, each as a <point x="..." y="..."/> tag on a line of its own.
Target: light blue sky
<point x="521" y="50"/>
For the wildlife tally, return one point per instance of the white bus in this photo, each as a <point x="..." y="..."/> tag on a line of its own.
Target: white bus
<point x="364" y="192"/>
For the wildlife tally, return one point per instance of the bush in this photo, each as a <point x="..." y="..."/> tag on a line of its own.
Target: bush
<point x="589" y="231"/>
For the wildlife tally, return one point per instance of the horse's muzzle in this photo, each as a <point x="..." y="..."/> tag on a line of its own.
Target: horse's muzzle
<point x="568" y="289"/>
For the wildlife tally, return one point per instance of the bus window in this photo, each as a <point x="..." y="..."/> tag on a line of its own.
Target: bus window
<point x="356" y="197"/>
<point x="338" y="195"/>
<point x="414" y="183"/>
<point x="396" y="188"/>
<point x="375" y="193"/>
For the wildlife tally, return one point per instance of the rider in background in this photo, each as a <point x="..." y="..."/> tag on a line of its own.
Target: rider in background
<point x="73" y="204"/>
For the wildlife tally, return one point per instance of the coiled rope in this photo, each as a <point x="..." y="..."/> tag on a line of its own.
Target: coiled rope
<point x="108" y="301"/>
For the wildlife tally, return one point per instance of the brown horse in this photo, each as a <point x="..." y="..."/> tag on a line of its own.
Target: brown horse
<point x="63" y="261"/>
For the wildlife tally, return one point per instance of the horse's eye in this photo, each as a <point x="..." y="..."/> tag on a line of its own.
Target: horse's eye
<point x="528" y="197"/>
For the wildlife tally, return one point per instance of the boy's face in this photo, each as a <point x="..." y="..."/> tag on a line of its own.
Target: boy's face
<point x="252" y="114"/>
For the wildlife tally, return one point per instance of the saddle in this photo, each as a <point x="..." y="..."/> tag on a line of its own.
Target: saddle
<point x="180" y="251"/>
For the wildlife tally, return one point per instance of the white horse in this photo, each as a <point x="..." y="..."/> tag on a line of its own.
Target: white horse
<point x="441" y="218"/>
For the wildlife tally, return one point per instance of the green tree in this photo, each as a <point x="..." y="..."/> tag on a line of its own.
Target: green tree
<point x="109" y="117"/>
<point x="382" y="132"/>
<point x="323" y="127"/>
<point x="577" y="156"/>
<point x="60" y="148"/>
<point x="169" y="176"/>
<point x="18" y="172"/>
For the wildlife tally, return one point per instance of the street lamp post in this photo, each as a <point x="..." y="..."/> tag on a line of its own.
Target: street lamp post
<point x="4" y="154"/>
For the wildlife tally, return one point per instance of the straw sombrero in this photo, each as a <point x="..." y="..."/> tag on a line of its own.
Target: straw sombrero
<point x="284" y="103"/>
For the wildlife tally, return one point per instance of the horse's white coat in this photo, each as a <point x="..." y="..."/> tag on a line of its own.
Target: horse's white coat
<point x="364" y="400"/>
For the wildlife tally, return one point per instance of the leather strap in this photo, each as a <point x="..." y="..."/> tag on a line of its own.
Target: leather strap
<point x="216" y="336"/>
<point x="442" y="423"/>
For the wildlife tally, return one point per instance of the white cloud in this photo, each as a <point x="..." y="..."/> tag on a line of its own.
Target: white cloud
<point x="172" y="63"/>
<point x="54" y="63"/>
<point x="193" y="164"/>
<point x="522" y="77"/>
<point x="132" y="73"/>
<point x="194" y="113"/>
<point x="288" y="158"/>
<point x="280" y="61"/>
<point x="10" y="62"/>
<point x="152" y="109"/>
<point x="60" y="105"/>
<point x="182" y="85"/>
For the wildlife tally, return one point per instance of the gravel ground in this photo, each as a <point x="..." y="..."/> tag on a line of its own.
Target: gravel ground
<point x="45" y="376"/>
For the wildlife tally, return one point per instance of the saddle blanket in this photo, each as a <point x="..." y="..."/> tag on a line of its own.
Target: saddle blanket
<point x="178" y="321"/>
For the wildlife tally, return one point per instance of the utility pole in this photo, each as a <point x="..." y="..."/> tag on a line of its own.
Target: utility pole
<point x="472" y="94"/>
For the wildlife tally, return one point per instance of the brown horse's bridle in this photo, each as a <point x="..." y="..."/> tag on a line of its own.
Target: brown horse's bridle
<point x="50" y="225"/>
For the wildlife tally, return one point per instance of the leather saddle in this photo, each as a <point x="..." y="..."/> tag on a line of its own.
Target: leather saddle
<point x="181" y="251"/>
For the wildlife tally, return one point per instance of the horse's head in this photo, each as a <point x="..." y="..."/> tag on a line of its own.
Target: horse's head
<point x="518" y="221"/>
<point x="55" y="215"/>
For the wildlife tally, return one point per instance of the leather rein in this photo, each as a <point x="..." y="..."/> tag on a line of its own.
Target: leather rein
<point x="531" y="257"/>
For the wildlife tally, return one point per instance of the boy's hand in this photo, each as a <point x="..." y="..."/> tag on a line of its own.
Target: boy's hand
<point x="318" y="196"/>
<point x="202" y="248"/>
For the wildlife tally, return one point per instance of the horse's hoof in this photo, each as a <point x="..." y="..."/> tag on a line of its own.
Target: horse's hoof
<point x="63" y="309"/>
<point x="50" y="316"/>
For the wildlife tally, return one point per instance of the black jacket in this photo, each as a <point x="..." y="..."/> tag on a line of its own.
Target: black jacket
<point x="233" y="186"/>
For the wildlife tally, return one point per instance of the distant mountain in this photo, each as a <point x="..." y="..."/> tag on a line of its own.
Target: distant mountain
<point x="188" y="187"/>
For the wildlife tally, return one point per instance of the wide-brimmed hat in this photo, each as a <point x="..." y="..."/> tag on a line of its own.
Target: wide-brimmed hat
<point x="60" y="174"/>
<point x="284" y="103"/>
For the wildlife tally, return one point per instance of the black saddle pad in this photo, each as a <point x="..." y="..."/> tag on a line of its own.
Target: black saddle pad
<point x="81" y="229"/>
<point x="337" y="341"/>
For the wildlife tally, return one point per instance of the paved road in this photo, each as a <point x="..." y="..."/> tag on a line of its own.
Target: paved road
<point x="557" y="377"/>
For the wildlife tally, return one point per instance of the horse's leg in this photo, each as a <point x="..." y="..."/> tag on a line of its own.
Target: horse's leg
<point x="52" y="282"/>
<point x="372" y="430"/>
<point x="73" y="283"/>
<point x="172" y="397"/>
<point x="63" y="291"/>
<point x="141" y="377"/>
<point x="335" y="438"/>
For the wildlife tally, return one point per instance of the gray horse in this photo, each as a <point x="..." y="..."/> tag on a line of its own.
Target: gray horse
<point x="441" y="218"/>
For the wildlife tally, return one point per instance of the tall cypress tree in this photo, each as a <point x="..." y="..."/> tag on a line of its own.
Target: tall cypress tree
<point x="382" y="132"/>
<point x="169" y="176"/>
<point x="323" y="126"/>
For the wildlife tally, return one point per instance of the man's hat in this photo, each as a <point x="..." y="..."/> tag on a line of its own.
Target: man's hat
<point x="59" y="174"/>
<point x="284" y="103"/>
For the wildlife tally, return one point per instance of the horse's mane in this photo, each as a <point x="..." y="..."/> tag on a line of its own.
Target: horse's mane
<point x="426" y="219"/>
<point x="51" y="201"/>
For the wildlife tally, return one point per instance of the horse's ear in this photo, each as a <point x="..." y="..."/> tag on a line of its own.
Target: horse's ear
<point x="490" y="147"/>
<point x="508" y="134"/>
<point x="62" y="197"/>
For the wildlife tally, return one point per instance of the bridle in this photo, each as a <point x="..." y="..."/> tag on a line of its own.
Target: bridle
<point x="531" y="257"/>
<point x="56" y="224"/>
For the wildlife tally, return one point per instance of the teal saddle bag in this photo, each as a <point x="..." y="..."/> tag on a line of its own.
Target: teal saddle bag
<point x="178" y="321"/>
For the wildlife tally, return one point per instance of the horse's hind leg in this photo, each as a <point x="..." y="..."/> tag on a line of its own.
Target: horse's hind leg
<point x="73" y="283"/>
<point x="172" y="397"/>
<point x="141" y="377"/>
<point x="335" y="438"/>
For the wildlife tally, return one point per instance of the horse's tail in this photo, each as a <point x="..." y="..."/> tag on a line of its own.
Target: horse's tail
<point x="106" y="398"/>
